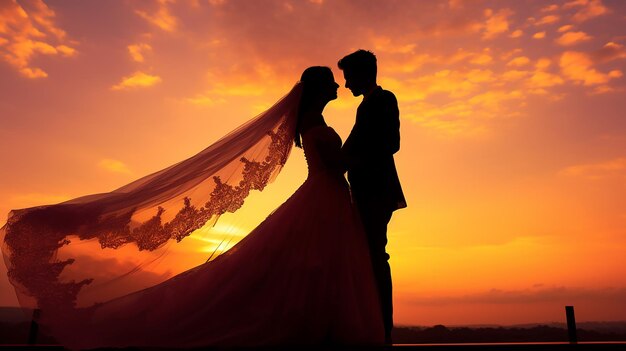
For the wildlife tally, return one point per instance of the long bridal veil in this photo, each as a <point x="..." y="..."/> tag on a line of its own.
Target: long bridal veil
<point x="98" y="247"/>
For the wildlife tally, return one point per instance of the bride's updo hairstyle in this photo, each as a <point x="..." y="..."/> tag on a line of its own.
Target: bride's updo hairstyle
<point x="312" y="80"/>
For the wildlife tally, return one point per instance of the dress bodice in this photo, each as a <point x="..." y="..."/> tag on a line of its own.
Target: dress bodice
<point x="322" y="149"/>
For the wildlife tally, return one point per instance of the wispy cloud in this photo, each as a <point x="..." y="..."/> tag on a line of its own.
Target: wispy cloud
<point x="609" y="52"/>
<point x="114" y="166"/>
<point x="572" y="38"/>
<point x="519" y="61"/>
<point x="539" y="35"/>
<point x="541" y="79"/>
<point x="599" y="170"/>
<point x="137" y="51"/>
<point x="549" y="8"/>
<point x="549" y="19"/>
<point x="254" y="81"/>
<point x="161" y="16"/>
<point x="137" y="80"/>
<point x="586" y="9"/>
<point x="207" y="99"/>
<point x="578" y="67"/>
<point x="386" y="44"/>
<point x="497" y="22"/>
<point x="29" y="31"/>
<point x="565" y="28"/>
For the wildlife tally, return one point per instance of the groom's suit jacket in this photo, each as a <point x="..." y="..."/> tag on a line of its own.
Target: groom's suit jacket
<point x="369" y="150"/>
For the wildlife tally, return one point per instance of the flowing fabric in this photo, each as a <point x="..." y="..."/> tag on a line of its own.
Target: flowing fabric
<point x="67" y="255"/>
<point x="302" y="277"/>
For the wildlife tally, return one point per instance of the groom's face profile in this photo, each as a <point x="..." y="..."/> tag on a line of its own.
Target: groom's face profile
<point x="353" y="82"/>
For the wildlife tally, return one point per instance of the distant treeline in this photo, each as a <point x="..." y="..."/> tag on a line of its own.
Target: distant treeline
<point x="541" y="333"/>
<point x="17" y="333"/>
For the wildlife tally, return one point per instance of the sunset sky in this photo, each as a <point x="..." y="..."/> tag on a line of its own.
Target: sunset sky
<point x="513" y="152"/>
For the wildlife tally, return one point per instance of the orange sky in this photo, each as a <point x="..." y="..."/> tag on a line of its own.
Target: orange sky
<point x="513" y="130"/>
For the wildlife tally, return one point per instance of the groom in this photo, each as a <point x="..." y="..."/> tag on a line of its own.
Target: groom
<point x="368" y="153"/>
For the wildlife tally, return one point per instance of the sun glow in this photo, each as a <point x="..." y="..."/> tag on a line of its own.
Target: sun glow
<point x="219" y="238"/>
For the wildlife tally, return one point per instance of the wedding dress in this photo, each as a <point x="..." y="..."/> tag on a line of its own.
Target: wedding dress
<point x="302" y="277"/>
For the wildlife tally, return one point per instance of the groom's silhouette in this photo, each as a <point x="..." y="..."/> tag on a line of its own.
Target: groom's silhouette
<point x="368" y="153"/>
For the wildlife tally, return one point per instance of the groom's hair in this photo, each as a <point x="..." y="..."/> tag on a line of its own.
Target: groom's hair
<point x="361" y="61"/>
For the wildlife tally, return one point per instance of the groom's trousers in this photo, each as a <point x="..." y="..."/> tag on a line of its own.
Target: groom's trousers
<point x="375" y="219"/>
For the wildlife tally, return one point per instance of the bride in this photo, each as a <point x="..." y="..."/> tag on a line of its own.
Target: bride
<point x="302" y="277"/>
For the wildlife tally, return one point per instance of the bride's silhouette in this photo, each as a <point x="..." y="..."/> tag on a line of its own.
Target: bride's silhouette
<point x="303" y="276"/>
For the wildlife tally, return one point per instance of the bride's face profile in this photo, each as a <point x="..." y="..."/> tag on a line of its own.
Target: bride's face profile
<point x="318" y="88"/>
<point x="321" y="83"/>
<point x="328" y="88"/>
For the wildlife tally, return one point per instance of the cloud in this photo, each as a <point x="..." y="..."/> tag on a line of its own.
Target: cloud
<point x="412" y="63"/>
<point x="542" y="79"/>
<point x="251" y="81"/>
<point x="467" y="114"/>
<point x="454" y="83"/>
<point x="519" y="61"/>
<point x="491" y="101"/>
<point x="29" y="31"/>
<point x="516" y="33"/>
<point x="450" y="119"/>
<point x="549" y="8"/>
<point x="572" y="38"/>
<point x="587" y="9"/>
<point x="549" y="19"/>
<point x="539" y="35"/>
<point x="496" y="23"/>
<point x="603" y="89"/>
<point x="137" y="80"/>
<point x="600" y="170"/>
<point x="160" y="17"/>
<point x="609" y="52"/>
<point x="565" y="28"/>
<point x="385" y="43"/>
<point x="137" y="51"/>
<point x="483" y="58"/>
<point x="205" y="100"/>
<point x="113" y="166"/>
<point x="543" y="63"/>
<point x="457" y="101"/>
<point x="514" y="75"/>
<point x="578" y="67"/>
